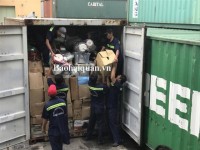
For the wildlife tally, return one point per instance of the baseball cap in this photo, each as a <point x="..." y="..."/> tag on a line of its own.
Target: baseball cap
<point x="52" y="90"/>
<point x="62" y="31"/>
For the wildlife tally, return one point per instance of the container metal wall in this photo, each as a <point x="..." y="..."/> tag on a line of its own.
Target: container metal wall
<point x="14" y="98"/>
<point x="165" y="11"/>
<point x="88" y="9"/>
<point x="173" y="71"/>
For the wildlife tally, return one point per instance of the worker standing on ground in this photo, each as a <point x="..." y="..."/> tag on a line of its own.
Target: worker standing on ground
<point x="114" y="44"/>
<point x="52" y="34"/>
<point x="98" y="91"/>
<point x="112" y="103"/>
<point x="55" y="111"/>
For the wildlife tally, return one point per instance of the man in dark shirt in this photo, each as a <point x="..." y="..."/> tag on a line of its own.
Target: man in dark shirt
<point x="55" y="111"/>
<point x="114" y="44"/>
<point x="98" y="91"/>
<point x="112" y="103"/>
<point x="52" y="34"/>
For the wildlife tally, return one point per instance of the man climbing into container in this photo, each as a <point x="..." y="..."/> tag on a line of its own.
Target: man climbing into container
<point x="114" y="44"/>
<point x="98" y="91"/>
<point x="55" y="112"/>
<point x="52" y="34"/>
<point x="113" y="103"/>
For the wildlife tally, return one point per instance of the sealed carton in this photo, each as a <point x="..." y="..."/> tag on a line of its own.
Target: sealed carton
<point x="84" y="91"/>
<point x="85" y="112"/>
<point x="77" y="104"/>
<point x="36" y="96"/>
<point x="36" y="109"/>
<point x="69" y="110"/>
<point x="36" y="120"/>
<point x="104" y="61"/>
<point x="74" y="88"/>
<point x="35" y="64"/>
<point x="35" y="80"/>
<point x="77" y="114"/>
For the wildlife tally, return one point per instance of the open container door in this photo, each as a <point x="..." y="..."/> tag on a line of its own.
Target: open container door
<point x="14" y="98"/>
<point x="133" y="40"/>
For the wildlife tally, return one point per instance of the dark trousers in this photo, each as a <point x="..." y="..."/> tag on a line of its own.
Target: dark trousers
<point x="114" y="124"/>
<point x="43" y="48"/>
<point x="56" y="142"/>
<point x="96" y="116"/>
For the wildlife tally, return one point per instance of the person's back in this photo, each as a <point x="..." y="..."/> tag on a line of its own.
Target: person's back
<point x="55" y="112"/>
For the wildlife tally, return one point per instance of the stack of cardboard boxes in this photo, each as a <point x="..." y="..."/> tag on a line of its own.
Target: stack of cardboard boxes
<point x="36" y="97"/>
<point x="80" y="96"/>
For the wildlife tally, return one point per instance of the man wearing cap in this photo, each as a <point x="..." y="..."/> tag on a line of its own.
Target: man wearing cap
<point x="55" y="111"/>
<point x="114" y="44"/>
<point x="52" y="34"/>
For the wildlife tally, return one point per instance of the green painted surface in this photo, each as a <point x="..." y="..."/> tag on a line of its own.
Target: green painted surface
<point x="165" y="11"/>
<point x="6" y="11"/>
<point x="177" y="62"/>
<point x="89" y="9"/>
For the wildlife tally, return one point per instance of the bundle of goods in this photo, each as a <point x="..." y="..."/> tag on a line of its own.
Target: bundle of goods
<point x="33" y="54"/>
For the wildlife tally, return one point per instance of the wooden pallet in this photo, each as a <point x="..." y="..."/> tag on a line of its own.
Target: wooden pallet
<point x="37" y="135"/>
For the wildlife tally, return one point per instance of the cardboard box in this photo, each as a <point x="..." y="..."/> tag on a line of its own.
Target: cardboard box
<point x="35" y="80"/>
<point x="46" y="71"/>
<point x="86" y="102"/>
<point x="36" y="96"/>
<point x="74" y="88"/>
<point x="36" y="120"/>
<point x="85" y="112"/>
<point x="46" y="97"/>
<point x="77" y="114"/>
<point x="36" y="109"/>
<point x="77" y="104"/>
<point x="69" y="110"/>
<point x="45" y="83"/>
<point x="104" y="61"/>
<point x="84" y="91"/>
<point x="69" y="101"/>
<point x="35" y="64"/>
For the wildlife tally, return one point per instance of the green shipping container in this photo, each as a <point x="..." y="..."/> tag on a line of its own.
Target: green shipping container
<point x="185" y="12"/>
<point x="172" y="103"/>
<point x="90" y="9"/>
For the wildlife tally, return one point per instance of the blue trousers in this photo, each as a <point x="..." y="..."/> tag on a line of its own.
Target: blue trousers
<point x="96" y="116"/>
<point x="56" y="142"/>
<point x="114" y="124"/>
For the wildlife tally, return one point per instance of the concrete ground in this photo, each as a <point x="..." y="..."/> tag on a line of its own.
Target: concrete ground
<point x="80" y="144"/>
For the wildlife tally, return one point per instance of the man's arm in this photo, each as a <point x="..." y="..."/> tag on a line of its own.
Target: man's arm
<point x="49" y="47"/>
<point x="44" y="124"/>
<point x="113" y="72"/>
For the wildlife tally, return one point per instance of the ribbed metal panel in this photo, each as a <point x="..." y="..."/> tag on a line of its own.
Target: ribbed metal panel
<point x="165" y="11"/>
<point x="173" y="65"/>
<point x="90" y="9"/>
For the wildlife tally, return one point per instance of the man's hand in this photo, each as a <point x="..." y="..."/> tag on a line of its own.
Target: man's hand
<point x="115" y="60"/>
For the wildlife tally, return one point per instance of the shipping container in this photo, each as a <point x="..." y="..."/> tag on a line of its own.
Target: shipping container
<point x="160" y="101"/>
<point x="165" y="12"/>
<point x="172" y="115"/>
<point x="90" y="9"/>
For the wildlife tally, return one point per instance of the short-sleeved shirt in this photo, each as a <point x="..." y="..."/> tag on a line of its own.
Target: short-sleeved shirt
<point x="51" y="34"/>
<point x="98" y="93"/>
<point x="62" y="89"/>
<point x="115" y="45"/>
<point x="55" y="111"/>
<point x="114" y="93"/>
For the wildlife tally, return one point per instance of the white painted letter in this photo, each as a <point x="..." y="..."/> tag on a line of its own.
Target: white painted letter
<point x="156" y="95"/>
<point x="195" y="114"/>
<point x="174" y="104"/>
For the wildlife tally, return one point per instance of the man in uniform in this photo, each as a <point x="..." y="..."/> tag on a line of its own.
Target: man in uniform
<point x="113" y="102"/>
<point x="55" y="111"/>
<point x="114" y="44"/>
<point x="98" y="91"/>
<point x="52" y="34"/>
